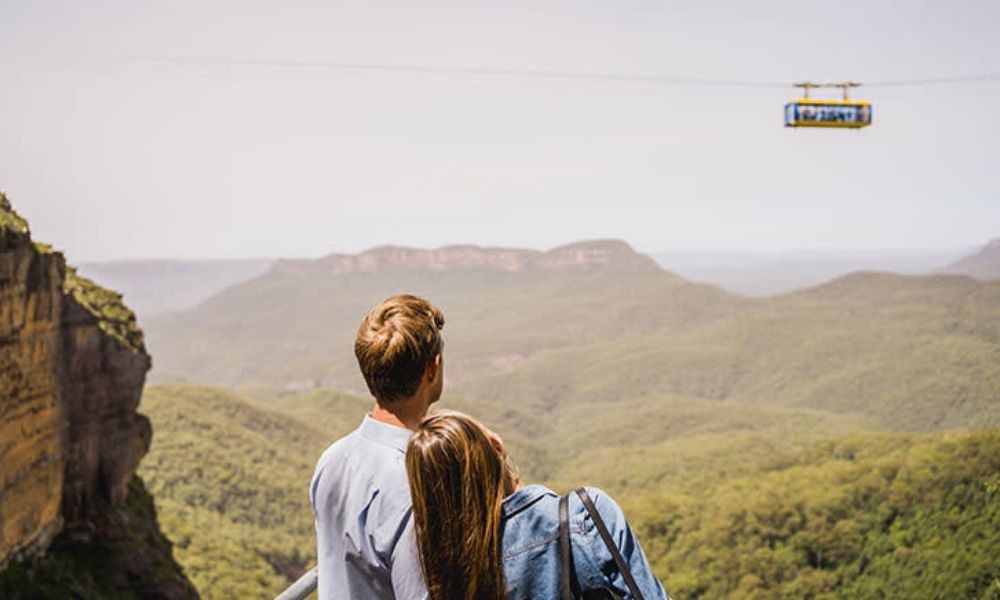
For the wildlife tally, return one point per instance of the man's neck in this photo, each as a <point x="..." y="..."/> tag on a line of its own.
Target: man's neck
<point x="406" y="413"/>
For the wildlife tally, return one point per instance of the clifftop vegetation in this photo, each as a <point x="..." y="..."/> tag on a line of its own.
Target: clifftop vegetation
<point x="107" y="306"/>
<point x="114" y="318"/>
<point x="11" y="223"/>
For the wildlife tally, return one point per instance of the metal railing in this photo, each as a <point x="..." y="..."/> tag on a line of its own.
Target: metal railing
<point x="302" y="587"/>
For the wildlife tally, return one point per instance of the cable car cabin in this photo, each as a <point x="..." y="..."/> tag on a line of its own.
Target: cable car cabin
<point x="808" y="112"/>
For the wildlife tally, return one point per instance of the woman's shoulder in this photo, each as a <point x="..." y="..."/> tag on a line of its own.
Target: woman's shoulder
<point x="538" y="498"/>
<point x="530" y="520"/>
<point x="601" y="500"/>
<point x="542" y="499"/>
<point x="528" y="499"/>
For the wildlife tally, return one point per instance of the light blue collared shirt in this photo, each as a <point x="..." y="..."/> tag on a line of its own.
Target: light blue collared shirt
<point x="364" y="530"/>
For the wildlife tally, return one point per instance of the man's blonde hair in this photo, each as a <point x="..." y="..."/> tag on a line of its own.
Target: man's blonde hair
<point x="396" y="341"/>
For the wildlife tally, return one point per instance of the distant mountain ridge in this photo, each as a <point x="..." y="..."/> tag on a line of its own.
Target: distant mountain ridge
<point x="600" y="322"/>
<point x="985" y="264"/>
<point x="587" y="255"/>
<point x="780" y="272"/>
<point x="288" y="325"/>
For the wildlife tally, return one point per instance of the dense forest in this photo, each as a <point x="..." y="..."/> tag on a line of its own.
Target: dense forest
<point x="780" y="509"/>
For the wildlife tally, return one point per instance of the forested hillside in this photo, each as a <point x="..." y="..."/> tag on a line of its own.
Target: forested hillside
<point x="231" y="482"/>
<point x="748" y="501"/>
<point x="912" y="353"/>
<point x="867" y="516"/>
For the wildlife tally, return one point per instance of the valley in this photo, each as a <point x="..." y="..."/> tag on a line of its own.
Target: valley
<point x="837" y="441"/>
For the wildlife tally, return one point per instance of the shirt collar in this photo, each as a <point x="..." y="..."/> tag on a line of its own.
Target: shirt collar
<point x="383" y="433"/>
<point x="524" y="498"/>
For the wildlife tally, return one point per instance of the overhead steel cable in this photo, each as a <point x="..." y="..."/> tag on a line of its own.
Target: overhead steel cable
<point x="540" y="74"/>
<point x="476" y="71"/>
<point x="936" y="80"/>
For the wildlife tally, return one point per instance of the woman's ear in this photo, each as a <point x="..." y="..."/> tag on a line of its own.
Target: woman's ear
<point x="513" y="478"/>
<point x="495" y="440"/>
<point x="514" y="482"/>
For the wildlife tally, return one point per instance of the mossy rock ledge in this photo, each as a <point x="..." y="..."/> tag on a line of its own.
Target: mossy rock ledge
<point x="107" y="306"/>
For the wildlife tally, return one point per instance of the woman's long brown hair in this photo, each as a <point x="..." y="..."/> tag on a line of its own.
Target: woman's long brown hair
<point x="458" y="479"/>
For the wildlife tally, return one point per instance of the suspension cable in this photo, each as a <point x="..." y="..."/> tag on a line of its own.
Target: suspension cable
<point x="542" y="74"/>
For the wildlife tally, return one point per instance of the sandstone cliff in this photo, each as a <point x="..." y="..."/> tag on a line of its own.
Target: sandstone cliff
<point x="599" y="254"/>
<point x="72" y="367"/>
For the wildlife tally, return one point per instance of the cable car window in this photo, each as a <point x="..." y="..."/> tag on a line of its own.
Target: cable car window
<point x="806" y="113"/>
<point x="835" y="114"/>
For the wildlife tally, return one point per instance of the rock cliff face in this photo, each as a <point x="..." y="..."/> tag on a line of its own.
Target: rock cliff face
<point x="582" y="255"/>
<point x="72" y="367"/>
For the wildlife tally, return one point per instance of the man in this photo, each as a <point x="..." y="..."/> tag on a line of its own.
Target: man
<point x="359" y="492"/>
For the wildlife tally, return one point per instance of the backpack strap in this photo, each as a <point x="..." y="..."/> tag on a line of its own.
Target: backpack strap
<point x="565" y="562"/>
<point x="606" y="536"/>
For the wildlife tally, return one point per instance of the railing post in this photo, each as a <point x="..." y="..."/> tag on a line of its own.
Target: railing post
<point x="302" y="587"/>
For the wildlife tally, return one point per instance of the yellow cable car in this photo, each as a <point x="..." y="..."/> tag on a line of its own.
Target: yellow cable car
<point x="810" y="112"/>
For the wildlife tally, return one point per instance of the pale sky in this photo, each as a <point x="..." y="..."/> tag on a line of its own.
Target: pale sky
<point x="114" y="153"/>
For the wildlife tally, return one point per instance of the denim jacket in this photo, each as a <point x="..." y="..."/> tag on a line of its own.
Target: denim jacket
<point x="531" y="546"/>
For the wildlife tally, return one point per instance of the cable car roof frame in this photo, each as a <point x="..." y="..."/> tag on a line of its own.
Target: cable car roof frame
<point x="845" y="87"/>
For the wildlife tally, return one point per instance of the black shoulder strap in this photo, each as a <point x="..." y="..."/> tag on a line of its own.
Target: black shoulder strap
<point x="606" y="536"/>
<point x="565" y="562"/>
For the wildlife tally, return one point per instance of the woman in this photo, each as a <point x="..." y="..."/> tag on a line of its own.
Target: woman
<point x="482" y="535"/>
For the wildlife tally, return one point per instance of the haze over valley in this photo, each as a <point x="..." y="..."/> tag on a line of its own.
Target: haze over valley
<point x="156" y="286"/>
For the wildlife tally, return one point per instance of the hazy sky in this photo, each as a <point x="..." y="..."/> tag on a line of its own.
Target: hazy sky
<point x="112" y="152"/>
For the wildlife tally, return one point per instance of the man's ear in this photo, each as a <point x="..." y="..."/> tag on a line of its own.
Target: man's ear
<point x="433" y="370"/>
